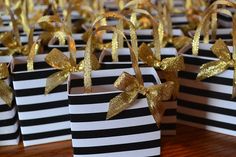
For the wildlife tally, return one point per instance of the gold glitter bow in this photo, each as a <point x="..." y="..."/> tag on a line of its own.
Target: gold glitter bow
<point x="6" y="93"/>
<point x="131" y="87"/>
<point x="66" y="65"/>
<point x="225" y="61"/>
<point x="210" y="12"/>
<point x="169" y="65"/>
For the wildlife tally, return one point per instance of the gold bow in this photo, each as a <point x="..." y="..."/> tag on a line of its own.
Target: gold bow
<point x="131" y="87"/>
<point x="169" y="65"/>
<point x="66" y="65"/>
<point x="6" y="93"/>
<point x="225" y="61"/>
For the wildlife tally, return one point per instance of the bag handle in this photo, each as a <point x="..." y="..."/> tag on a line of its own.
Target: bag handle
<point x="88" y="53"/>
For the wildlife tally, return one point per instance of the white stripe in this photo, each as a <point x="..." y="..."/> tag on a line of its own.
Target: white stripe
<point x="102" y="107"/>
<point x="41" y="98"/>
<point x="179" y="19"/>
<point x="168" y="119"/>
<point x="207" y="127"/>
<point x="134" y="153"/>
<point x="207" y="86"/>
<point x="44" y="113"/>
<point x="209" y="101"/>
<point x="28" y="84"/>
<point x="46" y="140"/>
<point x="10" y="142"/>
<point x="8" y="114"/>
<point x="208" y="115"/>
<point x="112" y="124"/>
<point x="8" y="129"/>
<point x="116" y="140"/>
<point x="45" y="128"/>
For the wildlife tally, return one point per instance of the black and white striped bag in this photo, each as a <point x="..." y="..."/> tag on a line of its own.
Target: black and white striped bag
<point x="132" y="133"/>
<point x="206" y="104"/>
<point x="168" y="124"/>
<point x="9" y="128"/>
<point x="43" y="118"/>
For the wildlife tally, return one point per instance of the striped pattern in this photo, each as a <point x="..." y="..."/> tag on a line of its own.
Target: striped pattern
<point x="43" y="119"/>
<point x="168" y="126"/>
<point x="131" y="133"/>
<point x="9" y="128"/>
<point x="206" y="104"/>
<point x="225" y="20"/>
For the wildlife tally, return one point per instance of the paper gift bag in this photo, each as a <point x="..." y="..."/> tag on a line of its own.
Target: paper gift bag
<point x="132" y="133"/>
<point x="168" y="124"/>
<point x="43" y="118"/>
<point x="9" y="128"/>
<point x="206" y="104"/>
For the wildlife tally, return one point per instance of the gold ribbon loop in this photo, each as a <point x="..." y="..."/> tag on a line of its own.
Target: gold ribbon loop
<point x="170" y="65"/>
<point x="131" y="88"/>
<point x="6" y="93"/>
<point x="210" y="12"/>
<point x="66" y="65"/>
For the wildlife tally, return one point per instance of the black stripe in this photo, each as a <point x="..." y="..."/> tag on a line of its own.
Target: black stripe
<point x="126" y="58"/>
<point x="204" y="53"/>
<point x="37" y="66"/>
<point x="196" y="60"/>
<point x="206" y="122"/>
<point x="5" y="107"/>
<point x="207" y="108"/>
<point x="37" y="136"/>
<point x="90" y="117"/>
<point x="116" y="148"/>
<point x="206" y="93"/>
<point x="114" y="132"/>
<point x="39" y="91"/>
<point x="170" y="112"/>
<point x="11" y="136"/>
<point x="93" y="99"/>
<point x="214" y="79"/>
<point x="9" y="122"/>
<point x="168" y="126"/>
<point x="32" y="75"/>
<point x="42" y="106"/>
<point x="224" y="17"/>
<point x="47" y="120"/>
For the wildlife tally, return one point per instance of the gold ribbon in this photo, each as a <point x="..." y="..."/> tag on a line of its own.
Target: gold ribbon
<point x="6" y="93"/>
<point x="209" y="12"/>
<point x="52" y="31"/>
<point x="66" y="65"/>
<point x="170" y="65"/>
<point x="131" y="88"/>
<point x="225" y="61"/>
<point x="89" y="50"/>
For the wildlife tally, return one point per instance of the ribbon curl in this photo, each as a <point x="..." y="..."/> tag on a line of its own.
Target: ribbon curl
<point x="6" y="93"/>
<point x="169" y="65"/>
<point x="131" y="88"/>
